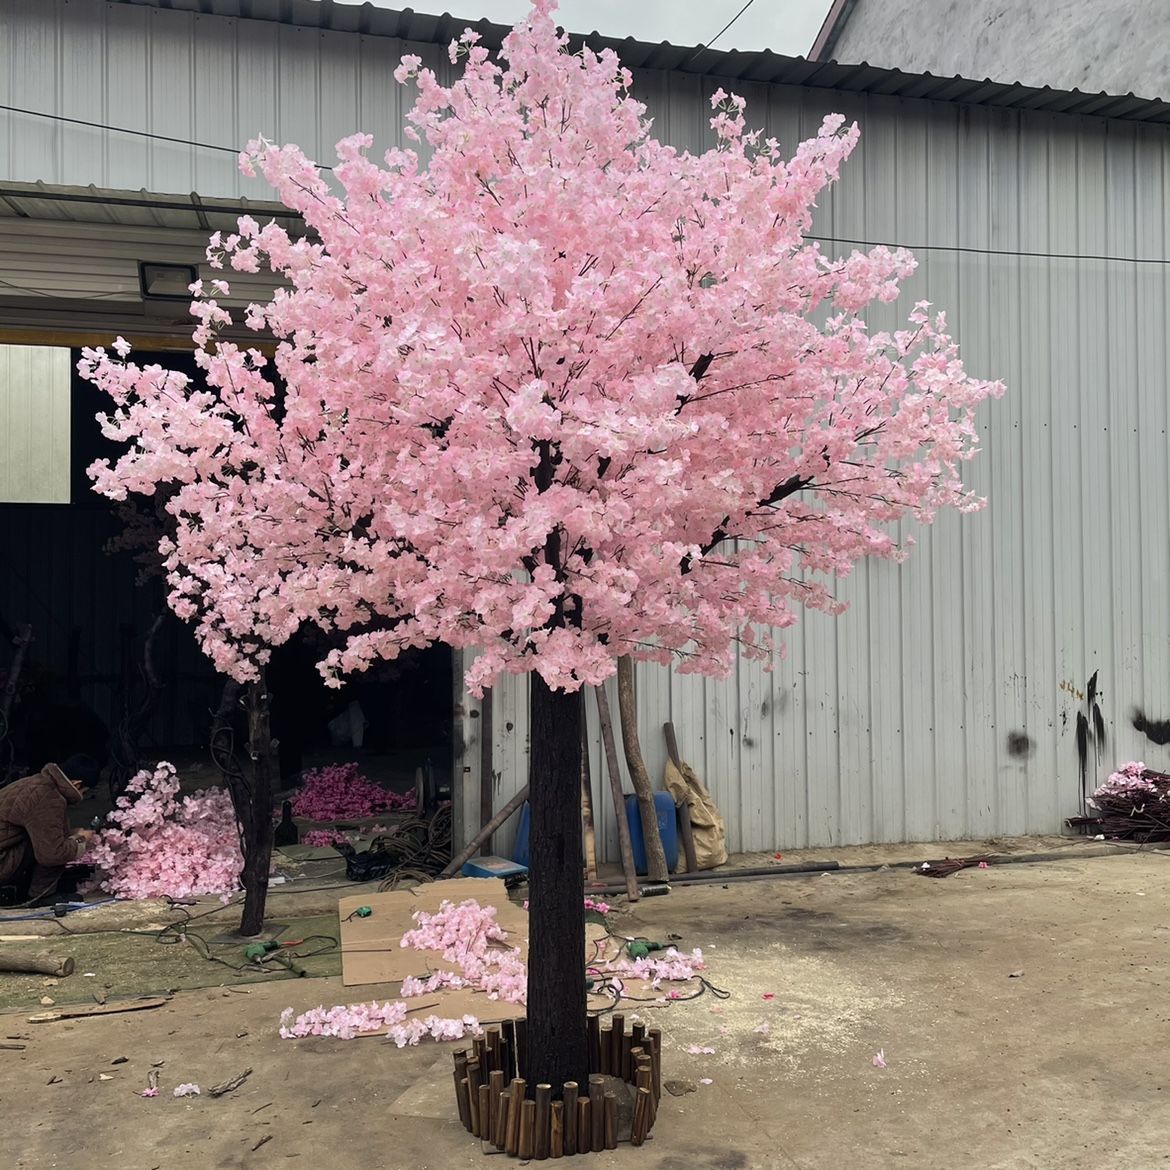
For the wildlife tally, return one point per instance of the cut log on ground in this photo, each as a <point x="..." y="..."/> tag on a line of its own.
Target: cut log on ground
<point x="41" y="964"/>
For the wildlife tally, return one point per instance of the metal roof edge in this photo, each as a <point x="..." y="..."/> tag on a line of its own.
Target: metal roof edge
<point x="759" y="67"/>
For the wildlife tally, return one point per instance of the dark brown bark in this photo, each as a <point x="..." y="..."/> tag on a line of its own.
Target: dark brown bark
<point x="656" y="868"/>
<point x="557" y="1050"/>
<point x="258" y="829"/>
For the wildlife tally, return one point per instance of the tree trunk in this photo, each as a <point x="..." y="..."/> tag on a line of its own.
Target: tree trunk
<point x="557" y="1046"/>
<point x="656" y="868"/>
<point x="257" y="827"/>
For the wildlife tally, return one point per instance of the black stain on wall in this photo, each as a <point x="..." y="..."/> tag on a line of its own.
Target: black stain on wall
<point x="1155" y="730"/>
<point x="1020" y="745"/>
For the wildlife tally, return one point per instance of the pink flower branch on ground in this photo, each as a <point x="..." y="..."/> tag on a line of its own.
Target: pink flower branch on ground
<point x="468" y="936"/>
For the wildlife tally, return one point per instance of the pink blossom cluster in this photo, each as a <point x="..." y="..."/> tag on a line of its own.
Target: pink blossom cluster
<point x="546" y="321"/>
<point x="465" y="935"/>
<point x="159" y="843"/>
<point x="340" y="792"/>
<point x="355" y="1019"/>
<point x="1132" y="779"/>
<point x="318" y="837"/>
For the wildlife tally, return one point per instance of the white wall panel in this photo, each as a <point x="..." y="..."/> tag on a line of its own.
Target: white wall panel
<point x="34" y="425"/>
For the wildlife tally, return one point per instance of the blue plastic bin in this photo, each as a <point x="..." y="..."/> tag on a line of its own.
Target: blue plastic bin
<point x="667" y="830"/>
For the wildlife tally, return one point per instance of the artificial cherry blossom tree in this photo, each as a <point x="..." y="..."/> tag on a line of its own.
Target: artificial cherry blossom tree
<point x="562" y="394"/>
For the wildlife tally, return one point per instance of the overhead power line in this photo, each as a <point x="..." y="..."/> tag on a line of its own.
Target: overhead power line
<point x="958" y="248"/>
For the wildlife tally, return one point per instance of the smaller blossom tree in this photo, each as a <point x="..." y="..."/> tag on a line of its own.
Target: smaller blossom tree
<point x="563" y="395"/>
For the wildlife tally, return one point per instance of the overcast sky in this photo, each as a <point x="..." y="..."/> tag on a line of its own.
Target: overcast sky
<point x="784" y="26"/>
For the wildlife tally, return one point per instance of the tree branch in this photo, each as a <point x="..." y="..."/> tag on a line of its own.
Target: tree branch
<point x="792" y="485"/>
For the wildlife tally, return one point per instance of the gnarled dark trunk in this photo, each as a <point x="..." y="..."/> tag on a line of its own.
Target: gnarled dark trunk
<point x="250" y="783"/>
<point x="258" y="829"/>
<point x="557" y="1046"/>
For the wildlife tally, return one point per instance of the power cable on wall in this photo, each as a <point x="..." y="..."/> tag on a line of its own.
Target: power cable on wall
<point x="958" y="248"/>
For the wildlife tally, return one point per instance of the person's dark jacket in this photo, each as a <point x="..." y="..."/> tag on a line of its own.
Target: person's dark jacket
<point x="36" y="808"/>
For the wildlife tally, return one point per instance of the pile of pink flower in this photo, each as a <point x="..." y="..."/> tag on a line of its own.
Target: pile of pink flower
<point x="1133" y="804"/>
<point x="160" y="844"/>
<point x="1134" y="780"/>
<point x="339" y="792"/>
<point x="356" y="1019"/>
<point x="318" y="837"/>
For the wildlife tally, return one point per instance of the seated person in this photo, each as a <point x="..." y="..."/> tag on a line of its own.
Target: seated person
<point x="36" y="843"/>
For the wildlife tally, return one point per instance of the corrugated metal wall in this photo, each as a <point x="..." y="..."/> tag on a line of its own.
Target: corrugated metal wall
<point x="943" y="703"/>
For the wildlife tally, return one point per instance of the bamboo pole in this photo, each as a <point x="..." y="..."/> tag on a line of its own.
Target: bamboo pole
<point x="593" y="1025"/>
<point x="597" y="1113"/>
<point x="655" y="1035"/>
<point x="615" y="1052"/>
<point x="615" y="786"/>
<point x="512" y="1145"/>
<point x="610" y="1121"/>
<point x="656" y="868"/>
<point x="500" y="1135"/>
<point x="508" y="1048"/>
<point x="584" y="1126"/>
<point x="485" y="1115"/>
<point x="495" y="1088"/>
<point x="543" y="1111"/>
<point x="556" y="1137"/>
<point x="521" y="1046"/>
<point x="606" y="1049"/>
<point x="570" y="1100"/>
<point x="473" y="1102"/>
<point x="642" y="1107"/>
<point x="461" y="1094"/>
<point x="527" y="1129"/>
<point x="683" y="809"/>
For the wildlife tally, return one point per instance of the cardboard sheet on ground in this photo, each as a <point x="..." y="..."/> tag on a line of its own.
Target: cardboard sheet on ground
<point x="371" y="950"/>
<point x="370" y="947"/>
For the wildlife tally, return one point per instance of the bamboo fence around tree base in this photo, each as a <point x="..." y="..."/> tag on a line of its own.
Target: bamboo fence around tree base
<point x="497" y="1104"/>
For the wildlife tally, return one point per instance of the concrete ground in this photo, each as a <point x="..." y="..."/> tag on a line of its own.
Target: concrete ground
<point x="1024" y="1014"/>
